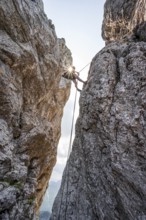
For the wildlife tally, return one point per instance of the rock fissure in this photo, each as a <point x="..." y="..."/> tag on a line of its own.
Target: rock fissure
<point x="110" y="130"/>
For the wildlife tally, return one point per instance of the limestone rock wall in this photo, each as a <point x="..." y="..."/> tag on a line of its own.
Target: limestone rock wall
<point x="32" y="97"/>
<point x="121" y="17"/>
<point x="105" y="176"/>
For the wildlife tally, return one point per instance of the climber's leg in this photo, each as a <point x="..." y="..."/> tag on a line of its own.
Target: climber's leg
<point x="75" y="82"/>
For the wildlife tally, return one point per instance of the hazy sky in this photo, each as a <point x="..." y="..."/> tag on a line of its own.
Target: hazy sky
<point x="79" y="22"/>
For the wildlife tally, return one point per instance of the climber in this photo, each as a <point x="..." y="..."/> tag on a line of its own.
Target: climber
<point x="71" y="74"/>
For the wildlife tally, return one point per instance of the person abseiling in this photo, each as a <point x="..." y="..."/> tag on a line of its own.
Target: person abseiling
<point x="73" y="75"/>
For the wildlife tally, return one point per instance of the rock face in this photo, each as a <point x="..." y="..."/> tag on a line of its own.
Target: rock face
<point x="32" y="97"/>
<point x="105" y="176"/>
<point x="121" y="17"/>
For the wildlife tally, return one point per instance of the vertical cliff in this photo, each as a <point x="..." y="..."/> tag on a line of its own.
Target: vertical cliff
<point x="121" y="18"/>
<point x="32" y="97"/>
<point x="105" y="176"/>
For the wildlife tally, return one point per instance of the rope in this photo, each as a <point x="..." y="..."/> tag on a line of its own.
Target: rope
<point x="84" y="67"/>
<point x="70" y="143"/>
<point x="72" y="125"/>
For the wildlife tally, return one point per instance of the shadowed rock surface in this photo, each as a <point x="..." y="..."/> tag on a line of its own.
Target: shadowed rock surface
<point x="105" y="176"/>
<point x="32" y="97"/>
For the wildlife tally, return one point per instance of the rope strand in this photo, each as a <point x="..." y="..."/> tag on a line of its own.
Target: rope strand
<point x="69" y="150"/>
<point x="72" y="125"/>
<point x="84" y="67"/>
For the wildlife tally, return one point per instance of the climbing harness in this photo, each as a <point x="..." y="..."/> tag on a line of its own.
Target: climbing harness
<point x="72" y="125"/>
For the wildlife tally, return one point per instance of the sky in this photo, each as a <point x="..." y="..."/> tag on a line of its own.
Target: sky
<point x="79" y="22"/>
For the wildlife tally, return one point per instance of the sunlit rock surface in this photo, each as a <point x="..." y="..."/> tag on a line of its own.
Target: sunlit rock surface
<point x="121" y="17"/>
<point x="105" y="176"/>
<point x="32" y="97"/>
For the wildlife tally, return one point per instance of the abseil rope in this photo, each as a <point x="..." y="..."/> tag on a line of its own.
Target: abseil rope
<point x="72" y="125"/>
<point x="84" y="67"/>
<point x="67" y="168"/>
